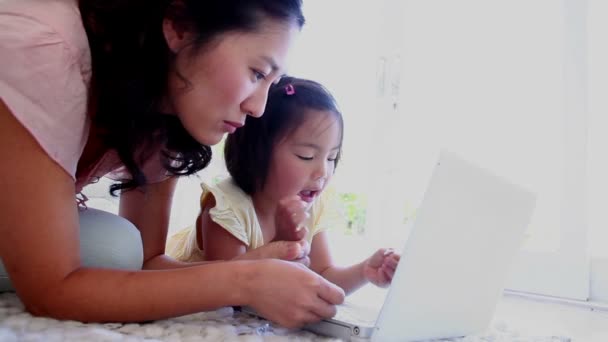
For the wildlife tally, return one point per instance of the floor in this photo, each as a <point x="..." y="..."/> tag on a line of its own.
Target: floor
<point x="516" y="320"/>
<point x="542" y="318"/>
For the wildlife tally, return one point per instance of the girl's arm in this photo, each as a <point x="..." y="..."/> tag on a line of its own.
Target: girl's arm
<point x="348" y="278"/>
<point x="378" y="269"/>
<point x="217" y="243"/>
<point x="39" y="247"/>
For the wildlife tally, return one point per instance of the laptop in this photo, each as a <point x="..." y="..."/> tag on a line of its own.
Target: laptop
<point x="454" y="264"/>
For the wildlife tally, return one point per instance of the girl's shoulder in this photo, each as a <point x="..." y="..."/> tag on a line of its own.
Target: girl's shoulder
<point x="233" y="210"/>
<point x="226" y="194"/>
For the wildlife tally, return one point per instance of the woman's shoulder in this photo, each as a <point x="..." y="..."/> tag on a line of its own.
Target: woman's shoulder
<point x="46" y="72"/>
<point x="55" y="19"/>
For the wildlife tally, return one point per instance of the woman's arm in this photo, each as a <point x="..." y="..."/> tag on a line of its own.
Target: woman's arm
<point x="40" y="250"/>
<point x="149" y="209"/>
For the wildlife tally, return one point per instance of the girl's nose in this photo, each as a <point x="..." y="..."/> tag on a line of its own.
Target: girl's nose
<point x="321" y="170"/>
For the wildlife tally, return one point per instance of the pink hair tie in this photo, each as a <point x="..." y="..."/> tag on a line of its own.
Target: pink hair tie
<point x="289" y="89"/>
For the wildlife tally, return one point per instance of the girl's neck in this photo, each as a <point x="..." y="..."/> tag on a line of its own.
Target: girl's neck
<point x="265" y="207"/>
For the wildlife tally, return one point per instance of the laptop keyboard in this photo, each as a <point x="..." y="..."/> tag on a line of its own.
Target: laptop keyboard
<point x="356" y="315"/>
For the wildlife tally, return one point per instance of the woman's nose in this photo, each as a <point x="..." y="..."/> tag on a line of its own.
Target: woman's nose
<point x="256" y="103"/>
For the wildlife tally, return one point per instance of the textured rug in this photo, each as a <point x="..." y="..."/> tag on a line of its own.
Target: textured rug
<point x="221" y="325"/>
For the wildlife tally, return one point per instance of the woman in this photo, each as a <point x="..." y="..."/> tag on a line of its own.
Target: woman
<point x="136" y="89"/>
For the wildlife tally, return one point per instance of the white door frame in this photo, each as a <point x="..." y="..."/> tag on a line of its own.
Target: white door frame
<point x="565" y="273"/>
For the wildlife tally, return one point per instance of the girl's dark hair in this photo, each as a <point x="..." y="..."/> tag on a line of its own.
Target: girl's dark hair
<point x="131" y="63"/>
<point x="248" y="150"/>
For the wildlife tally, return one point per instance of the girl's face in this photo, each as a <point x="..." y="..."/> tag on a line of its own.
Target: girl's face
<point x="303" y="162"/>
<point x="213" y="91"/>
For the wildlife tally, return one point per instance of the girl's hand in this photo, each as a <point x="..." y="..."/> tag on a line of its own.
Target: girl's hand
<point x="290" y="218"/>
<point x="296" y="251"/>
<point x="380" y="268"/>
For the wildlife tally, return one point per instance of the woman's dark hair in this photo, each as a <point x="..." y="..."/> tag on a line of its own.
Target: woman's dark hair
<point x="248" y="150"/>
<point x="131" y="63"/>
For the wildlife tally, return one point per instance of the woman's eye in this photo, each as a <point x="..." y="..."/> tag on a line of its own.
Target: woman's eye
<point x="258" y="75"/>
<point x="303" y="157"/>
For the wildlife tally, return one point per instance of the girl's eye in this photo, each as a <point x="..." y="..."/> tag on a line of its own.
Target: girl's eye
<point x="332" y="159"/>
<point x="303" y="157"/>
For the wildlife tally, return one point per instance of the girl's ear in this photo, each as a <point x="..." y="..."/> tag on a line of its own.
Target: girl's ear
<point x="176" y="35"/>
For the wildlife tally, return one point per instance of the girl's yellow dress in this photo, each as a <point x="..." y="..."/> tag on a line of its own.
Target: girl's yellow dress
<point x="234" y="212"/>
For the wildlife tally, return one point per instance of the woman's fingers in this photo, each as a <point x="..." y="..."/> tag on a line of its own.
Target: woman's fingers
<point x="291" y="294"/>
<point x="332" y="294"/>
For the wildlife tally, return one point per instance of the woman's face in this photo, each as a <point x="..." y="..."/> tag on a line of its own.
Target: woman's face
<point x="214" y="90"/>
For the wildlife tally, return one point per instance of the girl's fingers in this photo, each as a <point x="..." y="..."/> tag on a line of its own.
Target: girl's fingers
<point x="299" y="218"/>
<point x="300" y="233"/>
<point x="388" y="273"/>
<point x="296" y="204"/>
<point x="391" y="262"/>
<point x="377" y="258"/>
<point x="382" y="278"/>
<point x="304" y="261"/>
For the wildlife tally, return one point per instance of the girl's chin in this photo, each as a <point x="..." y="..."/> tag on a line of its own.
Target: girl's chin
<point x="309" y="205"/>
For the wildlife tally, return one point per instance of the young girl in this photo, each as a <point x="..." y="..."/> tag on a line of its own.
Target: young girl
<point x="280" y="166"/>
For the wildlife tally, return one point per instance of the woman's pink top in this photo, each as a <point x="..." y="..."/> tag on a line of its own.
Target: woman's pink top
<point x="45" y="72"/>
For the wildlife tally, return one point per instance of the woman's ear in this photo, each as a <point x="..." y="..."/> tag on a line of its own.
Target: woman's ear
<point x="175" y="35"/>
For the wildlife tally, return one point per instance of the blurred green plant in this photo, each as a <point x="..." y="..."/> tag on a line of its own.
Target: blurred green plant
<point x="354" y="210"/>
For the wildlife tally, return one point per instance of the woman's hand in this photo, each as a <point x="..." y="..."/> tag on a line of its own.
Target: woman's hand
<point x="290" y="219"/>
<point x="291" y="294"/>
<point x="380" y="268"/>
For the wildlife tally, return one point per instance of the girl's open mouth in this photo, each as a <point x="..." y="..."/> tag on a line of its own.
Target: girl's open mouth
<point x="308" y="195"/>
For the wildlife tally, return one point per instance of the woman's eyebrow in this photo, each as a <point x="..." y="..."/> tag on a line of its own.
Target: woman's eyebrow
<point x="272" y="63"/>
